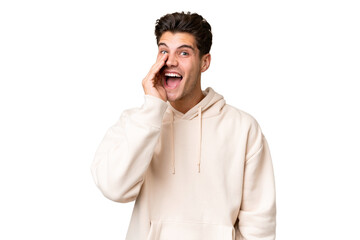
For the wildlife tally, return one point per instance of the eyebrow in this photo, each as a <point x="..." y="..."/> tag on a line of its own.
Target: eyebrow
<point x="182" y="46"/>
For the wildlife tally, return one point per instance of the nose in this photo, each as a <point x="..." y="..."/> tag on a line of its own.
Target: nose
<point x="172" y="61"/>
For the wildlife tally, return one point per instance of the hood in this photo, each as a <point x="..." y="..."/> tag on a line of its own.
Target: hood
<point x="210" y="105"/>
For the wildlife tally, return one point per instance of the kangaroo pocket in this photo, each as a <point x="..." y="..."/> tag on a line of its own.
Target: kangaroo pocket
<point x="167" y="230"/>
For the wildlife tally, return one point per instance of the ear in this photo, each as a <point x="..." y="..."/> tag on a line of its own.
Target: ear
<point x="205" y="62"/>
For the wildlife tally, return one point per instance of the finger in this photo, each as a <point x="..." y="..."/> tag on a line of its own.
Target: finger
<point x="163" y="57"/>
<point x="160" y="63"/>
<point x="155" y="69"/>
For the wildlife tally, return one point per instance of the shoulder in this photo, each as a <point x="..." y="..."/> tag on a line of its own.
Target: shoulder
<point x="249" y="126"/>
<point x="240" y="115"/>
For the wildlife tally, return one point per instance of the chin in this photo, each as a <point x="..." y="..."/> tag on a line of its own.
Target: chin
<point x="172" y="97"/>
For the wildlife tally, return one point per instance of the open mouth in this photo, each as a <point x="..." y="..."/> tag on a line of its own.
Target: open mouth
<point x="172" y="80"/>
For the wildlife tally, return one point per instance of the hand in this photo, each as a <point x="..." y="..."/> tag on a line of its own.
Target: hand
<point x="152" y="83"/>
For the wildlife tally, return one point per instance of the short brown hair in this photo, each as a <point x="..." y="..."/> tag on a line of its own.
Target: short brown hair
<point x="192" y="23"/>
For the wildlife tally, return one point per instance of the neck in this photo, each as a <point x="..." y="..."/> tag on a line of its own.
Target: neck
<point x="185" y="104"/>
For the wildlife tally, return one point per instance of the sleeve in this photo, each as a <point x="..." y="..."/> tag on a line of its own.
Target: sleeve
<point x="124" y="154"/>
<point x="257" y="216"/>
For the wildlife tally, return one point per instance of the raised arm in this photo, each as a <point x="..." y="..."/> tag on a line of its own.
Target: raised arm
<point x="126" y="151"/>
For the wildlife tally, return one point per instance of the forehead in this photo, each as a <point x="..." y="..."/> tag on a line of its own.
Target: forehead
<point x="174" y="40"/>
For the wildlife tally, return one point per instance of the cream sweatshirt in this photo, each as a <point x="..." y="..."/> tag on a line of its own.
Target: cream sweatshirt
<point x="203" y="175"/>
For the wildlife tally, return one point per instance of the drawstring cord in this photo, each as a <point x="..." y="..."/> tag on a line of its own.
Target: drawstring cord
<point x="200" y="135"/>
<point x="172" y="143"/>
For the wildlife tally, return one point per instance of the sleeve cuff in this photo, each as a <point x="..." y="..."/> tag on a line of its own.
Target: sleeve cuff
<point x="153" y="110"/>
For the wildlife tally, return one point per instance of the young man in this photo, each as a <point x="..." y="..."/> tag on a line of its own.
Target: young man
<point x="197" y="167"/>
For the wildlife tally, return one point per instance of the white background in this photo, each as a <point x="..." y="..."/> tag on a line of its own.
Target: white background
<point x="69" y="68"/>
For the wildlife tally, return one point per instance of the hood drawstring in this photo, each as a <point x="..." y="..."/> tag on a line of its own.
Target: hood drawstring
<point x="172" y="143"/>
<point x="200" y="135"/>
<point x="172" y="140"/>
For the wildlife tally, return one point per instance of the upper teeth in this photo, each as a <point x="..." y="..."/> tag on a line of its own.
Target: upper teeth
<point x="172" y="75"/>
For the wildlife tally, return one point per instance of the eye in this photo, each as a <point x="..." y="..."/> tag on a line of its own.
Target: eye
<point x="184" y="53"/>
<point x="163" y="51"/>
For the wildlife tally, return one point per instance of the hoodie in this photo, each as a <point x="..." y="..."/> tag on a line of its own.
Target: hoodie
<point x="206" y="174"/>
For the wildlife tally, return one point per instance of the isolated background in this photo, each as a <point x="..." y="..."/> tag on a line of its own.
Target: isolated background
<point x="69" y="68"/>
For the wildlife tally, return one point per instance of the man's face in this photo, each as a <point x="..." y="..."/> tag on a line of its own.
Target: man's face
<point x="182" y="71"/>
